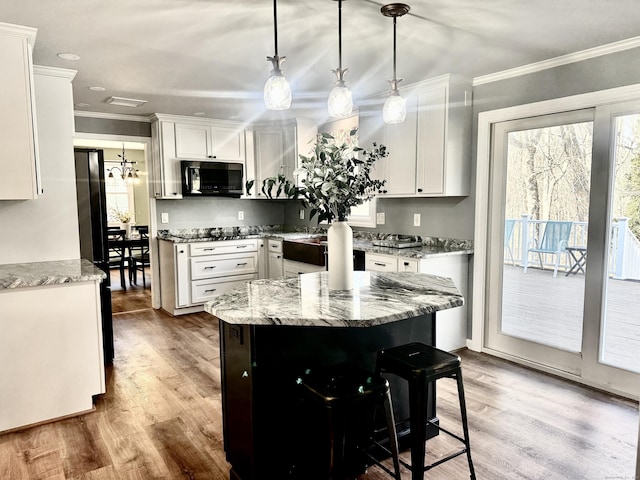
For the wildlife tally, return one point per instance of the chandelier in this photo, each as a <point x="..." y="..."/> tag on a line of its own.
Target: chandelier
<point x="126" y="169"/>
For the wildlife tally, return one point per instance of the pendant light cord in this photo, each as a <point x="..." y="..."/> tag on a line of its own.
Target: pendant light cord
<point x="275" y="24"/>
<point x="340" y="34"/>
<point x="394" y="47"/>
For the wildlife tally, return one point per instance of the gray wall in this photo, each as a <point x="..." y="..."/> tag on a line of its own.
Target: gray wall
<point x="107" y="126"/>
<point x="218" y="212"/>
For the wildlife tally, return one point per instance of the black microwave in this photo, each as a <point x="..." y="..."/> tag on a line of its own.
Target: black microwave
<point x="220" y="179"/>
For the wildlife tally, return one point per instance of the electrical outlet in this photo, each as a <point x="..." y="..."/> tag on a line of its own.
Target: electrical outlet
<point x="164" y="218"/>
<point x="380" y="218"/>
<point x="301" y="214"/>
<point x="416" y="219"/>
<point x="240" y="215"/>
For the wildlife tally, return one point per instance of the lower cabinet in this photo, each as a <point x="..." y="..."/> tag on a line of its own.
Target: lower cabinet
<point x="451" y="325"/>
<point x="193" y="273"/>
<point x="275" y="259"/>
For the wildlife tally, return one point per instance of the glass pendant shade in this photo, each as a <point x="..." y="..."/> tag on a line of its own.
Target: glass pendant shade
<point x="340" y="103"/>
<point x="277" y="93"/>
<point x="395" y="109"/>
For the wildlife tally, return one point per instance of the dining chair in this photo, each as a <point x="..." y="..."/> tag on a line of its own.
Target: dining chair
<point x="139" y="257"/>
<point x="117" y="258"/>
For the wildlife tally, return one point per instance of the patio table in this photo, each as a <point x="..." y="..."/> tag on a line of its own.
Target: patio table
<point x="578" y="258"/>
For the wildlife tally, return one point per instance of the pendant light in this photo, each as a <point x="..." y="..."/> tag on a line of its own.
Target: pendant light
<point x="395" y="107"/>
<point x="340" y="103"/>
<point x="277" y="92"/>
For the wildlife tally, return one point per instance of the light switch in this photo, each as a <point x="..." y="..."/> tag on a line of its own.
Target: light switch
<point x="380" y="218"/>
<point x="301" y="214"/>
<point x="416" y="219"/>
<point x="240" y="215"/>
<point x="164" y="218"/>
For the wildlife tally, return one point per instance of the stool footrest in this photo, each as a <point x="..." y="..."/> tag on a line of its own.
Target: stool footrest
<point x="442" y="460"/>
<point x="451" y="434"/>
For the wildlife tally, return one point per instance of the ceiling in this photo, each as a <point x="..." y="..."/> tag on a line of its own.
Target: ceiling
<point x="188" y="56"/>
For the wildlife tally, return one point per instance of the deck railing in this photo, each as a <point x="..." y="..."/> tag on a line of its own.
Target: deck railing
<point x="624" y="256"/>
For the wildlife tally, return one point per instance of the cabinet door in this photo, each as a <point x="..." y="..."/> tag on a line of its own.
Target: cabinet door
<point x="432" y="117"/>
<point x="408" y="265"/>
<point x="276" y="265"/>
<point x="401" y="143"/>
<point x="227" y="143"/>
<point x="166" y="167"/>
<point x="269" y="155"/>
<point x="182" y="278"/>
<point x="193" y="141"/>
<point x="371" y="129"/>
<point x="263" y="264"/>
<point x="18" y="137"/>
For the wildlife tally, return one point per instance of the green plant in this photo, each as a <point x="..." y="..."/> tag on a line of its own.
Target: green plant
<point x="334" y="178"/>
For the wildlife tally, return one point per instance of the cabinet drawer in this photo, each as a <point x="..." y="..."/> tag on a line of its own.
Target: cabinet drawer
<point x="381" y="263"/>
<point x="218" y="266"/>
<point x="275" y="246"/>
<point x="223" y="247"/>
<point x="408" y="265"/>
<point x="204" y="290"/>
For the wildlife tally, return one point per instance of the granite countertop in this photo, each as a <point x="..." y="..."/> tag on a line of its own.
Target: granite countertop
<point x="19" y="275"/>
<point x="377" y="298"/>
<point x="431" y="246"/>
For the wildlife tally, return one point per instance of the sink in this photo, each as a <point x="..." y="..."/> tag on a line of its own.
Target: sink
<point x="306" y="250"/>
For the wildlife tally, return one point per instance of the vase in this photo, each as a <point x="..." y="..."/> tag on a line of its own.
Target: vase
<point x="340" y="252"/>
<point x="127" y="229"/>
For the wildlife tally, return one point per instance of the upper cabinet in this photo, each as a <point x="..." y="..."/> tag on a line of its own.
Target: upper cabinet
<point x="221" y="141"/>
<point x="176" y="138"/>
<point x="430" y="152"/>
<point x="276" y="146"/>
<point x="20" y="179"/>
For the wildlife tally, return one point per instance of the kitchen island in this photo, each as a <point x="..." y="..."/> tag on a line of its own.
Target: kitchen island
<point x="272" y="331"/>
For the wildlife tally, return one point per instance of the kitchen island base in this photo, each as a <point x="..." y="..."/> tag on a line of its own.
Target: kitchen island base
<point x="262" y="411"/>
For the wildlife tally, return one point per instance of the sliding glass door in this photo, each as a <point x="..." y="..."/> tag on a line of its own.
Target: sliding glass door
<point x="563" y="278"/>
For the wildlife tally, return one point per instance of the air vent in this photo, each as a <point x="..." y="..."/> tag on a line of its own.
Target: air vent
<point x="125" y="102"/>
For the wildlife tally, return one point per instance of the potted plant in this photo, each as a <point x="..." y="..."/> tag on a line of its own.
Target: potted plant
<point x="332" y="180"/>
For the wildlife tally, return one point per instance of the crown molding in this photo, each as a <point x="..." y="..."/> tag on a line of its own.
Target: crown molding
<point x="580" y="56"/>
<point x="55" y="72"/>
<point x="112" y="116"/>
<point x="20" y="31"/>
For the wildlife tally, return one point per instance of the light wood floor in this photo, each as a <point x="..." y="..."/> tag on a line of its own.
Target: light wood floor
<point x="135" y="297"/>
<point x="161" y="418"/>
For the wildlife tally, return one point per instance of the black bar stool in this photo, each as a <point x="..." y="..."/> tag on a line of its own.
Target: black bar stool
<point x="340" y="402"/>
<point x="421" y="364"/>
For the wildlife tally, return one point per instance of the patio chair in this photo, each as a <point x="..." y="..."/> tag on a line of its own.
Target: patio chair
<point x="508" y="233"/>
<point x="554" y="242"/>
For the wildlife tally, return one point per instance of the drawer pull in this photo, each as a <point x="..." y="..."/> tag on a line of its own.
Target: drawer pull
<point x="241" y="264"/>
<point x="208" y="249"/>
<point x="210" y="290"/>
<point x="380" y="264"/>
<point x="242" y="246"/>
<point x="210" y="268"/>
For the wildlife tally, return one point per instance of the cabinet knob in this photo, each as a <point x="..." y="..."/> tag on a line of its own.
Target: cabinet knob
<point x="384" y="191"/>
<point x="181" y="251"/>
<point x="419" y="190"/>
<point x="406" y="264"/>
<point x="212" y="156"/>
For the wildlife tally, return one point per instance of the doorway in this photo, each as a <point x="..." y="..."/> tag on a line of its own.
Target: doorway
<point x="562" y="274"/>
<point x="126" y="196"/>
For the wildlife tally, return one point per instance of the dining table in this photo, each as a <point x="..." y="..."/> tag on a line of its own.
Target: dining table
<point x="128" y="244"/>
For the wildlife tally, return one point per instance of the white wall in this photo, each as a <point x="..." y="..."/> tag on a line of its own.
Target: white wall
<point x="47" y="228"/>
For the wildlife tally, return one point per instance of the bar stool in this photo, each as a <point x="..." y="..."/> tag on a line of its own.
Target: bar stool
<point x="420" y="364"/>
<point x="341" y="401"/>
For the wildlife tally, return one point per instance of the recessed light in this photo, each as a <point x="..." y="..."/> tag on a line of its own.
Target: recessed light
<point x="69" y="56"/>
<point x="82" y="105"/>
<point x="200" y="114"/>
<point x="97" y="89"/>
<point x="125" y="102"/>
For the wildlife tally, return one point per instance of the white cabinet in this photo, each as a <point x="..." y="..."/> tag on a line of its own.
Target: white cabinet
<point x="165" y="172"/>
<point x="451" y="325"/>
<point x="176" y="138"/>
<point x="430" y="152"/>
<point x="20" y="179"/>
<point x="276" y="149"/>
<point x="263" y="265"/>
<point x="193" y="273"/>
<point x="276" y="260"/>
<point x="223" y="142"/>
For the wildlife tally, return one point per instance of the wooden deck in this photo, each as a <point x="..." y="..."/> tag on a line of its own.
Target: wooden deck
<point x="537" y="306"/>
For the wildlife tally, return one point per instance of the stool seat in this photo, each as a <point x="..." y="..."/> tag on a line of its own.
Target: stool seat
<point x="348" y="395"/>
<point x="420" y="365"/>
<point x="419" y="360"/>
